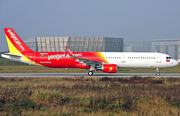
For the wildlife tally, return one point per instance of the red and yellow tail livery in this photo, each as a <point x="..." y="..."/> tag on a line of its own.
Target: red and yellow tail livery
<point x="15" y="43"/>
<point x="18" y="49"/>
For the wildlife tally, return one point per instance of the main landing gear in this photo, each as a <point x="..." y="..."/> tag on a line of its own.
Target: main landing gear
<point x="90" y="73"/>
<point x="157" y="72"/>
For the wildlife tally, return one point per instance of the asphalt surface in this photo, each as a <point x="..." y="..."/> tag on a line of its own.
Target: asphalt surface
<point x="86" y="75"/>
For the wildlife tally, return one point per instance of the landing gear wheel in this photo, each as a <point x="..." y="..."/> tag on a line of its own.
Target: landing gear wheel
<point x="158" y="74"/>
<point x="90" y="73"/>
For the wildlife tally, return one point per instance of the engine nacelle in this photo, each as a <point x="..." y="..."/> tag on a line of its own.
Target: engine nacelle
<point x="108" y="68"/>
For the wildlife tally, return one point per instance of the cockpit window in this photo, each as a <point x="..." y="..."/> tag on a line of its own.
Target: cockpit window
<point x="168" y="57"/>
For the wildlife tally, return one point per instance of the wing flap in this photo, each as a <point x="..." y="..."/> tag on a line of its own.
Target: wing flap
<point x="88" y="62"/>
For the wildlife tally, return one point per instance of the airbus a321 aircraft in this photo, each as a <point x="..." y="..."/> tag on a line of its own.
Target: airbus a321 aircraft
<point x="108" y="62"/>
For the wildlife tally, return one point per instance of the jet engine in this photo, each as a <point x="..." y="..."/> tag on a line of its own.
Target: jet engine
<point x="108" y="68"/>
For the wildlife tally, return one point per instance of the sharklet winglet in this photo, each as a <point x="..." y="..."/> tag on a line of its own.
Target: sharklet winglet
<point x="70" y="52"/>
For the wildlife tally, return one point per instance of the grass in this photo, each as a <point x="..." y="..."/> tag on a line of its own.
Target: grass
<point x="90" y="96"/>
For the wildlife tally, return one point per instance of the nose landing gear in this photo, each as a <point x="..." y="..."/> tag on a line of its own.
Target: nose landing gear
<point x="157" y="72"/>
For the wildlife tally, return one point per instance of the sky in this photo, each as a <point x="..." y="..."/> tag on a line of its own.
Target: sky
<point x="133" y="20"/>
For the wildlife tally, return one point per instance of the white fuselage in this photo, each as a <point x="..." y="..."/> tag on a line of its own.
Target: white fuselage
<point x="140" y="59"/>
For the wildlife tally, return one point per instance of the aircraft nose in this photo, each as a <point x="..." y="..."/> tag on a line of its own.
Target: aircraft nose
<point x="175" y="63"/>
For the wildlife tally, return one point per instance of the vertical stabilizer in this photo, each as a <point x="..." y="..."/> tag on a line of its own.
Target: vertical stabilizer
<point x="15" y="44"/>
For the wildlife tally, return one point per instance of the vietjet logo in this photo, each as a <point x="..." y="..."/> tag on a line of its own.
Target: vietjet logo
<point x="58" y="56"/>
<point x="15" y="39"/>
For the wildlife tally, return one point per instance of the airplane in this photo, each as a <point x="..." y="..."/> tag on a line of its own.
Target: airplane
<point x="107" y="62"/>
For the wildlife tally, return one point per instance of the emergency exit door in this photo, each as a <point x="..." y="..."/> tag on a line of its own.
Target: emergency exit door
<point x="30" y="56"/>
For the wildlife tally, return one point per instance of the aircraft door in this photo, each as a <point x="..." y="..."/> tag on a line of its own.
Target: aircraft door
<point x="123" y="60"/>
<point x="158" y="58"/>
<point x="31" y="56"/>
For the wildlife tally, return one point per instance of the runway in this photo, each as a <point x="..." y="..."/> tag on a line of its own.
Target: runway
<point x="86" y="75"/>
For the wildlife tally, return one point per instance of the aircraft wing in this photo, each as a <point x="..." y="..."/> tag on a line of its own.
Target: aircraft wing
<point x="86" y="62"/>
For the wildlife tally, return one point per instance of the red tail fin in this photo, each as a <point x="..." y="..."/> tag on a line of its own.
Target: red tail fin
<point x="14" y="42"/>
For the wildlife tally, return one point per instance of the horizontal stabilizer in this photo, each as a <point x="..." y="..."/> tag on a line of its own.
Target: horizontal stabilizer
<point x="11" y="56"/>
